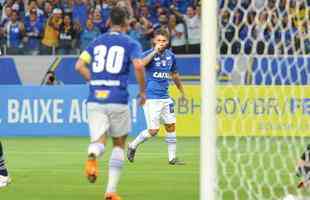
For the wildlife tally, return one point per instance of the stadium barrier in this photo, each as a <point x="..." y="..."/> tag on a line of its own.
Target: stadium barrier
<point x="61" y="111"/>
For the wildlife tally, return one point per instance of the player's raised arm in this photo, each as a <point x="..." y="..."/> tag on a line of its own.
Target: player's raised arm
<point x="81" y="65"/>
<point x="149" y="57"/>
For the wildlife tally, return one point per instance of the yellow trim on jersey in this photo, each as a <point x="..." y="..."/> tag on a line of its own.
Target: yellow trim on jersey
<point x="86" y="57"/>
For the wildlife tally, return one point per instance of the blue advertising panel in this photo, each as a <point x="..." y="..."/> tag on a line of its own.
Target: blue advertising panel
<point x="52" y="110"/>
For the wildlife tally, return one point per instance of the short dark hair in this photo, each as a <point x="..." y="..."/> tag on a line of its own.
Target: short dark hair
<point x="162" y="32"/>
<point x="119" y="15"/>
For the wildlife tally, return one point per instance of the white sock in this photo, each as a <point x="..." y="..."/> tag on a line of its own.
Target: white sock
<point x="171" y="140"/>
<point x="142" y="137"/>
<point x="96" y="148"/>
<point x="115" y="168"/>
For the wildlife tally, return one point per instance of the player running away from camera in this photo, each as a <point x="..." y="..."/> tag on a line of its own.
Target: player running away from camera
<point x="109" y="58"/>
<point x="160" y="64"/>
<point x="303" y="168"/>
<point x="4" y="176"/>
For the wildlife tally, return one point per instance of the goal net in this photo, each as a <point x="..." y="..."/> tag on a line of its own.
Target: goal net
<point x="263" y="98"/>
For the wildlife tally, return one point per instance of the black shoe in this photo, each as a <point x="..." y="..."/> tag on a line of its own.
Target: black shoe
<point x="176" y="161"/>
<point x="301" y="184"/>
<point x="131" y="154"/>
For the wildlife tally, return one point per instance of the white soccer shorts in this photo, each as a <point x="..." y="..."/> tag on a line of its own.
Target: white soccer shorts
<point x="157" y="111"/>
<point x="111" y="119"/>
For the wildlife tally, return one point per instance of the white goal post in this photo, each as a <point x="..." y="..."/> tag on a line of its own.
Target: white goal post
<point x="208" y="100"/>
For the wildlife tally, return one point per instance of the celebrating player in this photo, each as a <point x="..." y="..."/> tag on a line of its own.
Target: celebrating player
<point x="109" y="58"/>
<point x="303" y="168"/>
<point x="160" y="65"/>
<point x="4" y="176"/>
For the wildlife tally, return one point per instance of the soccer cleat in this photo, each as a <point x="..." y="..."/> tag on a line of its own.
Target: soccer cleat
<point x="91" y="169"/>
<point x="131" y="154"/>
<point x="176" y="161"/>
<point x="112" y="196"/>
<point x="4" y="181"/>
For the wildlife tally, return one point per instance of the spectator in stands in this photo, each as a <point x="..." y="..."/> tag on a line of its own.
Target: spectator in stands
<point x="66" y="36"/>
<point x="225" y="19"/>
<point x="105" y="9"/>
<point x="88" y="34"/>
<point x="99" y="23"/>
<point x="160" y="3"/>
<point x="127" y="4"/>
<point x="67" y="6"/>
<point x="80" y="13"/>
<point x="244" y="32"/>
<point x="232" y="4"/>
<point x="181" y="5"/>
<point x="192" y="22"/>
<point x="3" y="21"/>
<point x="32" y="5"/>
<point x="150" y="14"/>
<point x="178" y="35"/>
<point x="144" y="12"/>
<point x="146" y="32"/>
<point x="7" y="9"/>
<point x="288" y="34"/>
<point x="159" y="11"/>
<point x="34" y="30"/>
<point x="260" y="32"/>
<point x="281" y="6"/>
<point x="40" y="4"/>
<point x="163" y="23"/>
<point x="48" y="10"/>
<point x="240" y="29"/>
<point x="134" y="29"/>
<point x="245" y="4"/>
<point x="57" y="4"/>
<point x="14" y="31"/>
<point x="305" y="37"/>
<point x="51" y="32"/>
<point x="6" y="16"/>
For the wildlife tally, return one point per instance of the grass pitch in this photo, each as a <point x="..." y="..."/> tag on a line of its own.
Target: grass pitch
<point x="249" y="168"/>
<point x="52" y="168"/>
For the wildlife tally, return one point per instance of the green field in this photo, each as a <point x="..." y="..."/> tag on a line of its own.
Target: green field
<point x="249" y="168"/>
<point x="51" y="168"/>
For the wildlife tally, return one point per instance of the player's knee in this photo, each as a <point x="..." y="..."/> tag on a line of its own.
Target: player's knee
<point x="119" y="142"/>
<point x="170" y="127"/>
<point x="153" y="132"/>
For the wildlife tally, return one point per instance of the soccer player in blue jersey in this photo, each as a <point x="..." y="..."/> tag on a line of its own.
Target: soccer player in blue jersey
<point x="109" y="58"/>
<point x="160" y="64"/>
<point x="4" y="176"/>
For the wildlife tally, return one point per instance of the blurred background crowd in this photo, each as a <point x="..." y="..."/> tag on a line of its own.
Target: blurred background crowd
<point x="264" y="27"/>
<point x="32" y="27"/>
<point x="67" y="26"/>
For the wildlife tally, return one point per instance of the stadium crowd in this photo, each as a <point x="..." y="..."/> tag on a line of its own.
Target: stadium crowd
<point x="264" y="27"/>
<point x="32" y="27"/>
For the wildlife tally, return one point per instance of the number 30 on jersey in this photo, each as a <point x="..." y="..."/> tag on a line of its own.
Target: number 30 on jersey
<point x="109" y="60"/>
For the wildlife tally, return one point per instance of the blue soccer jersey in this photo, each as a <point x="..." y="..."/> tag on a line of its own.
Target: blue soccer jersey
<point x="158" y="74"/>
<point x="109" y="58"/>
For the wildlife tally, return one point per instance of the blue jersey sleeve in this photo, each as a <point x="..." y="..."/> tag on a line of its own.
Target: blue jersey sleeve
<point x="90" y="48"/>
<point x="136" y="51"/>
<point x="174" y="64"/>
